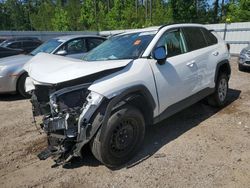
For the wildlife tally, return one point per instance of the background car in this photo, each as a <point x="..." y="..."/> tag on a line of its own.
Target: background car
<point x="27" y="44"/>
<point x="3" y="38"/>
<point x="244" y="59"/>
<point x="12" y="74"/>
<point x="5" y="52"/>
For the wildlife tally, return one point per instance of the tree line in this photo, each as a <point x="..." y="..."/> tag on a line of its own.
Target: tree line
<point x="76" y="15"/>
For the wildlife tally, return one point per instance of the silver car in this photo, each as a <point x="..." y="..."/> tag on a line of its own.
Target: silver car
<point x="12" y="75"/>
<point x="244" y="59"/>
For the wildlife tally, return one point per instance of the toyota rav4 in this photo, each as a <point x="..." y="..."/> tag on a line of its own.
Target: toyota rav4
<point x="130" y="81"/>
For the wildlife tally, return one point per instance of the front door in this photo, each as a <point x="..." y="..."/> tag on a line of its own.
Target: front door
<point x="177" y="78"/>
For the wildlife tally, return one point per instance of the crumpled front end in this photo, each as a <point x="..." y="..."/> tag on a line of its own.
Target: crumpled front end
<point x="68" y="116"/>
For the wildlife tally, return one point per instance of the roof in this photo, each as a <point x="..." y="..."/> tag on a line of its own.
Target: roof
<point x="117" y="32"/>
<point x="69" y="37"/>
<point x="14" y="39"/>
<point x="153" y="28"/>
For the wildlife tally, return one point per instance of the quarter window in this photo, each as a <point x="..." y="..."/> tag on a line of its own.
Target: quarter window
<point x="194" y="37"/>
<point x="210" y="38"/>
<point x="173" y="42"/>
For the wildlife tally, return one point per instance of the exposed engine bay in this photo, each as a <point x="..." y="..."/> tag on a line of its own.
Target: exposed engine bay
<point x="67" y="117"/>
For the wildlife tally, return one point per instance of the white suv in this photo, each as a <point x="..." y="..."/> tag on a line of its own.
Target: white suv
<point x="130" y="81"/>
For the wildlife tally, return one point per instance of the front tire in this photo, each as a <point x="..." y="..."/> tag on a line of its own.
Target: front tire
<point x="219" y="97"/>
<point x="119" y="141"/>
<point x="21" y="86"/>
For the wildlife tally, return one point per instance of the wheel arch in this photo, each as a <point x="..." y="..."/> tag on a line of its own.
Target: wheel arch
<point x="139" y="96"/>
<point x="18" y="79"/>
<point x="222" y="67"/>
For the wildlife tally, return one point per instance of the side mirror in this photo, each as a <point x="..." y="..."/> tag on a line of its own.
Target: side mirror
<point x="160" y="54"/>
<point x="61" y="52"/>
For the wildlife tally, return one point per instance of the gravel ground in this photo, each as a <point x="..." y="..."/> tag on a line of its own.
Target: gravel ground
<point x="198" y="147"/>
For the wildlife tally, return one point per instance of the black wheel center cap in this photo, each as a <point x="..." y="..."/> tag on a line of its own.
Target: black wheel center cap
<point x="123" y="137"/>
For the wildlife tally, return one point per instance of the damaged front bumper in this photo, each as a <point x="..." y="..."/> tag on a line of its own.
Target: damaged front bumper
<point x="68" y="118"/>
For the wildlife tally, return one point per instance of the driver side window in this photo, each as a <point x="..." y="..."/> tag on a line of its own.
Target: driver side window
<point x="75" y="46"/>
<point x="174" y="43"/>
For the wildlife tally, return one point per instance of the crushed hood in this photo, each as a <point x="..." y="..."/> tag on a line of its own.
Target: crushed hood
<point x="53" y="69"/>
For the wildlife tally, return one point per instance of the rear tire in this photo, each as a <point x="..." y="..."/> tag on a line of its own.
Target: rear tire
<point x="119" y="141"/>
<point x="219" y="97"/>
<point x="21" y="86"/>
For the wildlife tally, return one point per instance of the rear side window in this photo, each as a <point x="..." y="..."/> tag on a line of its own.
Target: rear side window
<point x="210" y="38"/>
<point x="194" y="38"/>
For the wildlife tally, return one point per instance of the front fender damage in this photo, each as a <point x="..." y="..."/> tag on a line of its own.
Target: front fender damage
<point x="68" y="130"/>
<point x="73" y="115"/>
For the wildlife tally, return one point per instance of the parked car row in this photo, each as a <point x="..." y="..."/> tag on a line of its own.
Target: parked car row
<point x="12" y="74"/>
<point x="5" y="52"/>
<point x="128" y="82"/>
<point x="26" y="44"/>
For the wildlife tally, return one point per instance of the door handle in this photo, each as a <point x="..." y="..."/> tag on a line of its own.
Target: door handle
<point x="191" y="64"/>
<point x="216" y="53"/>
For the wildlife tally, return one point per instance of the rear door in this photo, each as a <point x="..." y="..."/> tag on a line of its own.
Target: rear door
<point x="202" y="52"/>
<point x="177" y="78"/>
<point x="214" y="54"/>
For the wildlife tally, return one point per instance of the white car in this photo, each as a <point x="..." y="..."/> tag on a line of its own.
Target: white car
<point x="130" y="81"/>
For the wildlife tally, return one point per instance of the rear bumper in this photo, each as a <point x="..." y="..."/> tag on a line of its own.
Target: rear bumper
<point x="8" y="84"/>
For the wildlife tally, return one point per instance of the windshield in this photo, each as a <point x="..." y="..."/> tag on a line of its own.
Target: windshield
<point x="47" y="47"/>
<point x="128" y="46"/>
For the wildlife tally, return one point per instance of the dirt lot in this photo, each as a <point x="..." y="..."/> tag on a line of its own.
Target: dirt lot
<point x="199" y="147"/>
